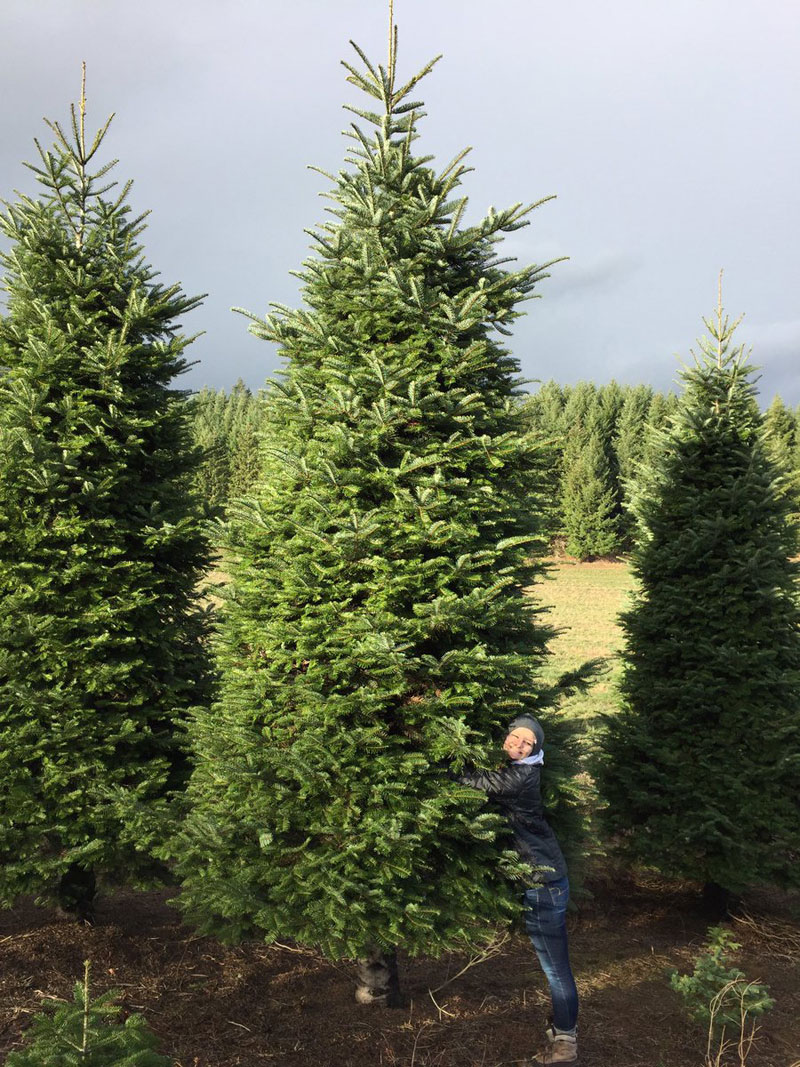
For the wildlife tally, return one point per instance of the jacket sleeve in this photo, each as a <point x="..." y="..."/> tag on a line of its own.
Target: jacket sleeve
<point x="503" y="783"/>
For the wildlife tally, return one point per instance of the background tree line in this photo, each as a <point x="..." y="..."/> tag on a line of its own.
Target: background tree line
<point x="225" y="427"/>
<point x="599" y="436"/>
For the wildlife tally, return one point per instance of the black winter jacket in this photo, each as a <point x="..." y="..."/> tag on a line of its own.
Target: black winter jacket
<point x="516" y="791"/>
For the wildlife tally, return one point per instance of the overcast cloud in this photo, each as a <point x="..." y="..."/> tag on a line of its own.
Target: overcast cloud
<point x="668" y="132"/>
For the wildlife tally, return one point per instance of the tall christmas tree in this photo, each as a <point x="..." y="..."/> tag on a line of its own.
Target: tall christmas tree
<point x="101" y="635"/>
<point x="377" y="628"/>
<point x="702" y="764"/>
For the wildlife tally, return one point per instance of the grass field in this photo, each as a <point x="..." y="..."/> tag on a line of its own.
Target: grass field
<point x="585" y="600"/>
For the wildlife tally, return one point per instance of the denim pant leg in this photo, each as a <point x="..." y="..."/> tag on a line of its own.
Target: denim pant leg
<point x="546" y="923"/>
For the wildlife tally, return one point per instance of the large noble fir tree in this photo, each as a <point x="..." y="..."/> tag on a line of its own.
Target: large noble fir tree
<point x="376" y="633"/>
<point x="702" y="765"/>
<point x="101" y="545"/>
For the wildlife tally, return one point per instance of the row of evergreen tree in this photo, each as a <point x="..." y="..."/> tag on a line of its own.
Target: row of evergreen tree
<point x="225" y="428"/>
<point x="376" y="636"/>
<point x="600" y="438"/>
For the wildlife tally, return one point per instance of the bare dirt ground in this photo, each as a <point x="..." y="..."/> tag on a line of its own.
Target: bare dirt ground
<point x="253" y="1005"/>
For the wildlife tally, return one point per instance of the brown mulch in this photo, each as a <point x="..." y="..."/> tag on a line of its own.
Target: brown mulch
<point x="253" y="1005"/>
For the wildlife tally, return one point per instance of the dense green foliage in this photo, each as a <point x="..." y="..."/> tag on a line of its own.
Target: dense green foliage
<point x="638" y="415"/>
<point x="599" y="435"/>
<point x="87" y="1033"/>
<point x="702" y="763"/>
<point x="782" y="436"/>
<point x="590" y="508"/>
<point x="101" y="635"/>
<point x="225" y="428"/>
<point x="377" y="632"/>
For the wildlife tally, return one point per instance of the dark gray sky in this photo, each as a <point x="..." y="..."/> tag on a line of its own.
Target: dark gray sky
<point x="668" y="131"/>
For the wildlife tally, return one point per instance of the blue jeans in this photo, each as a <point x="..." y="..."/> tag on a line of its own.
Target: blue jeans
<point x="546" y="923"/>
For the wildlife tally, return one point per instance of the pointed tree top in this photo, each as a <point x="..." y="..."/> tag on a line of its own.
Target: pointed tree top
<point x="392" y="44"/>
<point x="83" y="109"/>
<point x="719" y="319"/>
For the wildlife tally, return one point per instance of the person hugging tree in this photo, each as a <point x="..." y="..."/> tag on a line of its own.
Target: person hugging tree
<point x="516" y="791"/>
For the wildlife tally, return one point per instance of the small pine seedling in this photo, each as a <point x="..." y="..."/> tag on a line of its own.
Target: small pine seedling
<point x="88" y="1033"/>
<point x="717" y="994"/>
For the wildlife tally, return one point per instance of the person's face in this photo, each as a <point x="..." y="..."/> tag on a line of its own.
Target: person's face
<point x="519" y="743"/>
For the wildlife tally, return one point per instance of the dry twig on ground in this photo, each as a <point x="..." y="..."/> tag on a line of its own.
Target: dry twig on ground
<point x="494" y="948"/>
<point x="782" y="939"/>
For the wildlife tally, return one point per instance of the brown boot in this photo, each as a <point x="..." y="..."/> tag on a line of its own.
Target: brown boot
<point x="560" y="1048"/>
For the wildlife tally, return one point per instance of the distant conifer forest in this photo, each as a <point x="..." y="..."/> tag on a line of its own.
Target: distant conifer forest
<point x="598" y="437"/>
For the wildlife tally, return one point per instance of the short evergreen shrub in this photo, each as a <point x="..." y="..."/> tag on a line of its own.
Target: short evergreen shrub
<point x="88" y="1033"/>
<point x="716" y="993"/>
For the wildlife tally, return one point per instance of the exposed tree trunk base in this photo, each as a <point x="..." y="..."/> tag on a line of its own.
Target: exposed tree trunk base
<point x="76" y="893"/>
<point x="378" y="981"/>
<point x="718" y="902"/>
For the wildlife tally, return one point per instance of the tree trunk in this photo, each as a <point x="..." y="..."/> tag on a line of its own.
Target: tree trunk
<point x="378" y="982"/>
<point x="76" y="893"/>
<point x="717" y="901"/>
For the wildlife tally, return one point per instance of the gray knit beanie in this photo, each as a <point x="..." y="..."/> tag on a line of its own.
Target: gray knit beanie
<point x="529" y="723"/>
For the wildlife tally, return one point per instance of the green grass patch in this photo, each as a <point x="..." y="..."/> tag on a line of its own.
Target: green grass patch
<point x="585" y="600"/>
